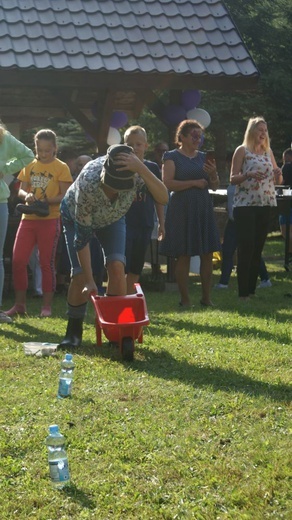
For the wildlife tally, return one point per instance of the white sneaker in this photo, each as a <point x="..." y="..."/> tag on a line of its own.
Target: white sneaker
<point x="264" y="284"/>
<point x="4" y="318"/>
<point x="221" y="286"/>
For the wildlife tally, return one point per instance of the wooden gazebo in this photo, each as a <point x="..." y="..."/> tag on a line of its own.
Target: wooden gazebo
<point x="63" y="58"/>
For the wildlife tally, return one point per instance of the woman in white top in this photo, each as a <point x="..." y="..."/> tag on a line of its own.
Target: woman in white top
<point x="254" y="172"/>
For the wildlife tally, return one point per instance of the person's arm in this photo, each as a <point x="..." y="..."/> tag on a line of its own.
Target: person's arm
<point x="236" y="175"/>
<point x="125" y="161"/>
<point x="278" y="176"/>
<point x="154" y="185"/>
<point x="63" y="187"/>
<point x="160" y="215"/>
<point x="168" y="174"/>
<point x="27" y="196"/>
<point x="211" y="170"/>
<point x="84" y="257"/>
<point x="17" y="155"/>
<point x="24" y="192"/>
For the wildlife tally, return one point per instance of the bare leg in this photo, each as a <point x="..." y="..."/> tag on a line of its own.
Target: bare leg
<point x="116" y="279"/>
<point x="182" y="269"/>
<point x="47" y="299"/>
<point x="206" y="270"/>
<point x="131" y="279"/>
<point x="19" y="306"/>
<point x="20" y="298"/>
<point x="75" y="296"/>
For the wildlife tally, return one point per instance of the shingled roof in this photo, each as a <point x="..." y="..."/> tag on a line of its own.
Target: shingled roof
<point x="182" y="37"/>
<point x="92" y="46"/>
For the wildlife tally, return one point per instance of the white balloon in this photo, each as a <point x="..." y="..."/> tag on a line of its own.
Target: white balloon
<point x="199" y="115"/>
<point x="113" y="136"/>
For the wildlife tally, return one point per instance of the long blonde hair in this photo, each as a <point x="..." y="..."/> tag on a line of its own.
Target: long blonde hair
<point x="249" y="136"/>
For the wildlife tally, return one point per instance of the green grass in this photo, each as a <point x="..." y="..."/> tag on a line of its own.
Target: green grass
<point x="198" y="426"/>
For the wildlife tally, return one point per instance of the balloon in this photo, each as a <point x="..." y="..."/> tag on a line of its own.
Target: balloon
<point x="200" y="115"/>
<point x="113" y="136"/>
<point x="190" y="99"/>
<point x="118" y="119"/>
<point x="174" y="114"/>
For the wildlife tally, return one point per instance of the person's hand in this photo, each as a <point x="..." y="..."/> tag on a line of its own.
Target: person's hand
<point x="29" y="198"/>
<point x="89" y="288"/>
<point x="201" y="184"/>
<point x="258" y="176"/>
<point x="277" y="173"/>
<point x="161" y="232"/>
<point x="210" y="168"/>
<point x="127" y="161"/>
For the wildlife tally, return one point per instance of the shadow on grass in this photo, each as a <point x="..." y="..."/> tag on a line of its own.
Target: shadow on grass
<point x="163" y="365"/>
<point x="22" y="331"/>
<point x="79" y="496"/>
<point x="222" y="332"/>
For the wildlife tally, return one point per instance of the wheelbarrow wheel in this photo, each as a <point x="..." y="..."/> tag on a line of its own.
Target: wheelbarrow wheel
<point x="128" y="349"/>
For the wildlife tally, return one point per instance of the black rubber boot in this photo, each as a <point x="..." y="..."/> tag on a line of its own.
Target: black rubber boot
<point x="73" y="336"/>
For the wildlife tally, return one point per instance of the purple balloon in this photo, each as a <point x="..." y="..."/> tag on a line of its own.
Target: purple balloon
<point x="174" y="114"/>
<point x="190" y="99"/>
<point x="118" y="119"/>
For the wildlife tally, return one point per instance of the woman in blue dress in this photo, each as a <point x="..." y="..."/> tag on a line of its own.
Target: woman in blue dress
<point x="190" y="227"/>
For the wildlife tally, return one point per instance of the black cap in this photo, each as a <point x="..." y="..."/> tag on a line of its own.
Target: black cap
<point x="117" y="180"/>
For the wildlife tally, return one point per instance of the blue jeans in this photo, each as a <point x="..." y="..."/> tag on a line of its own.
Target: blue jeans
<point x="229" y="247"/>
<point x="112" y="239"/>
<point x="3" y="231"/>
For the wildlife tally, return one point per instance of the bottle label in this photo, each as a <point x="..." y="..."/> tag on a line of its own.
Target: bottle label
<point x="65" y="386"/>
<point x="59" y="470"/>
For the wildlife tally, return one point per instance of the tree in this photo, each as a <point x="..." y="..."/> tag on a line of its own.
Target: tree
<point x="265" y="29"/>
<point x="69" y="134"/>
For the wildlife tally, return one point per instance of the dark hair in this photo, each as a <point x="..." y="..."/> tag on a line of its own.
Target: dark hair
<point x="288" y="151"/>
<point x="184" y="128"/>
<point x="46" y="134"/>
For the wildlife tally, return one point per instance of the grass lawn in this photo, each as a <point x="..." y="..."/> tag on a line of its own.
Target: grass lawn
<point x="198" y="426"/>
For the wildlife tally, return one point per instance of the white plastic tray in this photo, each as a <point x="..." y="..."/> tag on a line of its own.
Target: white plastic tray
<point x="34" y="348"/>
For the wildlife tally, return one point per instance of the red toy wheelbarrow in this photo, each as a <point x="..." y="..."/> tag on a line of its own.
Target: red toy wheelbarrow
<point x="122" y="319"/>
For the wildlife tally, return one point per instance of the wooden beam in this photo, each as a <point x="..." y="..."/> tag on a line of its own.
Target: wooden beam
<point x="104" y="120"/>
<point x="126" y="81"/>
<point x="64" y="98"/>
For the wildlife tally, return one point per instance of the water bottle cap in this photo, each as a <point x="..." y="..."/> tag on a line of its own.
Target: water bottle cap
<point x="68" y="357"/>
<point x="54" y="428"/>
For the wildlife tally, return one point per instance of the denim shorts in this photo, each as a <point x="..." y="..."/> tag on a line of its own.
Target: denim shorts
<point x="112" y="239"/>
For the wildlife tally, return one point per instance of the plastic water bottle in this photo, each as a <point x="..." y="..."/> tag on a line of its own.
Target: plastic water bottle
<point x="58" y="462"/>
<point x="66" y="376"/>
